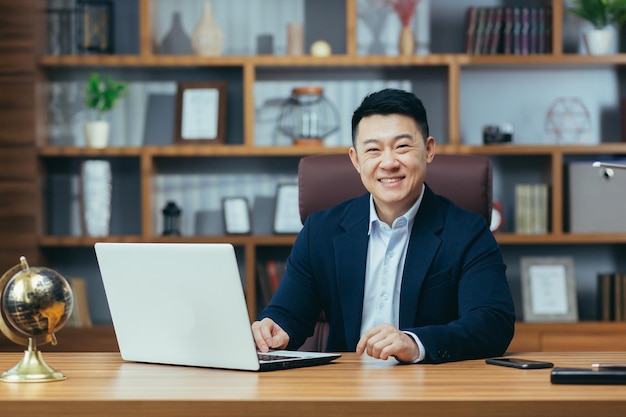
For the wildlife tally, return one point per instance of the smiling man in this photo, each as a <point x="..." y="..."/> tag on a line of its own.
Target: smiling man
<point x="400" y="271"/>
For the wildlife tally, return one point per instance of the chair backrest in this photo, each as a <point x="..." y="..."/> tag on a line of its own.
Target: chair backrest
<point x="325" y="180"/>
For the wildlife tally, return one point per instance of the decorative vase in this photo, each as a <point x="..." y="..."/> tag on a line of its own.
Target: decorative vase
<point x="406" y="42"/>
<point x="599" y="41"/>
<point x="295" y="39"/>
<point x="207" y="38"/>
<point x="176" y="41"/>
<point x="95" y="197"/>
<point x="97" y="133"/>
<point x="374" y="14"/>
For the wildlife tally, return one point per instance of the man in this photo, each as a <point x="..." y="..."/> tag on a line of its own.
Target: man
<point x="399" y="272"/>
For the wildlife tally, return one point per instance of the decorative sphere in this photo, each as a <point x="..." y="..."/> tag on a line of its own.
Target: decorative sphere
<point x="37" y="301"/>
<point x="321" y="49"/>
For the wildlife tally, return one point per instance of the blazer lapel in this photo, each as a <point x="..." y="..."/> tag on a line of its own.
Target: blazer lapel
<point x="351" y="257"/>
<point x="423" y="246"/>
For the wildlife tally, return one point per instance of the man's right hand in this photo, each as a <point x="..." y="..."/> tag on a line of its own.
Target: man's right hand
<point x="269" y="335"/>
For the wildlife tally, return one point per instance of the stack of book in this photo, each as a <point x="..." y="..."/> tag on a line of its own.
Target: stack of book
<point x="612" y="296"/>
<point x="508" y="30"/>
<point x="270" y="273"/>
<point x="531" y="208"/>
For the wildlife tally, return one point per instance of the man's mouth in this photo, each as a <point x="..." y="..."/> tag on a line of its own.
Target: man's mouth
<point x="389" y="180"/>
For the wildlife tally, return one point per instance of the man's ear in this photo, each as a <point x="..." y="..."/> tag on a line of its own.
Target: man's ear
<point x="431" y="147"/>
<point x="355" y="159"/>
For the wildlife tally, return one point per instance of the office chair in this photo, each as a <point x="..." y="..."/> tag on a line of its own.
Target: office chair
<point x="325" y="180"/>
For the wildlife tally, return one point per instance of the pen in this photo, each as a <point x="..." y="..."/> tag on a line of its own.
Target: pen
<point x="609" y="366"/>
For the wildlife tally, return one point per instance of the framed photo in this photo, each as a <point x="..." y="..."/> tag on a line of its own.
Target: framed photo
<point x="287" y="211"/>
<point x="95" y="26"/>
<point x="549" y="289"/>
<point x="200" y="112"/>
<point x="236" y="215"/>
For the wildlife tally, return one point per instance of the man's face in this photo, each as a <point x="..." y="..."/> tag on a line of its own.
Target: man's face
<point x="391" y="155"/>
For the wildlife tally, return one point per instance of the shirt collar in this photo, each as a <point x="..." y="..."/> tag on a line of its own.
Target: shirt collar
<point x="409" y="215"/>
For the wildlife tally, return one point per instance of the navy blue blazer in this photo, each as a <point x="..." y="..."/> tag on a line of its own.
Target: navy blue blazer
<point x="454" y="294"/>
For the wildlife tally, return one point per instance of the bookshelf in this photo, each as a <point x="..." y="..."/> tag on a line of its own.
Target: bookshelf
<point x="445" y="76"/>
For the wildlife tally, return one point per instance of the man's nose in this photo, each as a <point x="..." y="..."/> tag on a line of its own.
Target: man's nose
<point x="389" y="159"/>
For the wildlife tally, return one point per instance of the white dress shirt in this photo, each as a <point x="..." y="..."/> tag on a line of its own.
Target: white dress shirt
<point x="386" y="254"/>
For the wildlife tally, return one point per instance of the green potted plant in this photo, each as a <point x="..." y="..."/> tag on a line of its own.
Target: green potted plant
<point x="101" y="95"/>
<point x="605" y="16"/>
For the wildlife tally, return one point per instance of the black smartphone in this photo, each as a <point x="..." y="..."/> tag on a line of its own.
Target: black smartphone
<point x="519" y="363"/>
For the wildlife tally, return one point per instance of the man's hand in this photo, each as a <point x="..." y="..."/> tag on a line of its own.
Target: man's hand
<point x="384" y="340"/>
<point x="269" y="335"/>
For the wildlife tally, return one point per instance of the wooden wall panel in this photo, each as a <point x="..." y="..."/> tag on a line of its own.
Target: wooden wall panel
<point x="20" y="198"/>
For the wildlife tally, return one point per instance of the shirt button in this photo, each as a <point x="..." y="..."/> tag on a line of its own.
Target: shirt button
<point x="385" y="297"/>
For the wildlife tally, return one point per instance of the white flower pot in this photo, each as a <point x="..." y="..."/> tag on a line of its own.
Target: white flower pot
<point x="599" y="41"/>
<point x="97" y="134"/>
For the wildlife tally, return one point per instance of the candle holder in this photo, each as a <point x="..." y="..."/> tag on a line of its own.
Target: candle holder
<point x="171" y="219"/>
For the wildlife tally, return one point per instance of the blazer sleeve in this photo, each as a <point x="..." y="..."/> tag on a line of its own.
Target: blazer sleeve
<point x="465" y="309"/>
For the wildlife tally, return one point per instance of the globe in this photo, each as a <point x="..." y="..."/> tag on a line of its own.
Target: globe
<point x="36" y="302"/>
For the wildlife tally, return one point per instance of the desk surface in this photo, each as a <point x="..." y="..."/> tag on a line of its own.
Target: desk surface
<point x="101" y="384"/>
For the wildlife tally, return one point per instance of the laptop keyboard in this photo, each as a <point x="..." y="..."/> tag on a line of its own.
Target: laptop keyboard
<point x="271" y="357"/>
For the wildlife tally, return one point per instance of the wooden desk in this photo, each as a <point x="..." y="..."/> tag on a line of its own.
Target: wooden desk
<point x="101" y="384"/>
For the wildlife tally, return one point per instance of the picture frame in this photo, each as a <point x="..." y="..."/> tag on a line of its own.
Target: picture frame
<point x="549" y="289"/>
<point x="200" y="112"/>
<point x="95" y="20"/>
<point x="287" y="209"/>
<point x="237" y="219"/>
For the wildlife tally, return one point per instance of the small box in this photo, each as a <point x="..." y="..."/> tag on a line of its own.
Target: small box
<point x="597" y="199"/>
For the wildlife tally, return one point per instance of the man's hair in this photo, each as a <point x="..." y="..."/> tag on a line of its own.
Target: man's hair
<point x="391" y="101"/>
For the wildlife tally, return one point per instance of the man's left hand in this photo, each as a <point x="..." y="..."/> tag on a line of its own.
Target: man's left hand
<point x="385" y="340"/>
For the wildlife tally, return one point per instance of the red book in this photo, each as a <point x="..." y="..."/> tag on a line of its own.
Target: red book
<point x="470" y="29"/>
<point x="496" y="31"/>
<point x="274" y="273"/>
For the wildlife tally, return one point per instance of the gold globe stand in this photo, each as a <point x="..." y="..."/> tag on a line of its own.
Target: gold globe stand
<point x="32" y="367"/>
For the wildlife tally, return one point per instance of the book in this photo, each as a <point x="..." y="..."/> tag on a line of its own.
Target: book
<point x="480" y="30"/>
<point x="496" y="32"/>
<point x="522" y="200"/>
<point x="541" y="30"/>
<point x="264" y="283"/>
<point x="508" y="31"/>
<point x="531" y="208"/>
<point x="80" y="316"/>
<point x="525" y="31"/>
<point x="275" y="271"/>
<point x="470" y="31"/>
<point x="547" y="33"/>
<point x="539" y="213"/>
<point x="517" y="31"/>
<point x="618" y="291"/>
<point x="533" y="31"/>
<point x="604" y="296"/>
<point x="486" y="44"/>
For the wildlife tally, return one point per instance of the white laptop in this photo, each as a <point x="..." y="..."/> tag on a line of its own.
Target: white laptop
<point x="184" y="304"/>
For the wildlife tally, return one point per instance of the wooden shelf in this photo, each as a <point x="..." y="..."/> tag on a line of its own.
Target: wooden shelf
<point x="83" y="241"/>
<point x="333" y="60"/>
